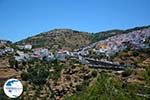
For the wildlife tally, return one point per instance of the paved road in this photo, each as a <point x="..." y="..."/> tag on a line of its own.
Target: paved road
<point x="104" y="64"/>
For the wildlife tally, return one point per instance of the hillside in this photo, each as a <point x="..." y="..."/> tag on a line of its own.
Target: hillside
<point x="105" y="34"/>
<point x="59" y="38"/>
<point x="4" y="43"/>
<point x="132" y="83"/>
<point x="72" y="39"/>
<point x="89" y="73"/>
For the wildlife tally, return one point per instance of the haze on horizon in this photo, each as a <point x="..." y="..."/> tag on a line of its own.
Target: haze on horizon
<point x="20" y="19"/>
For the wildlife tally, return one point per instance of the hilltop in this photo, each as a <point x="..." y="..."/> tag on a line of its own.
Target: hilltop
<point x="4" y="42"/>
<point x="58" y="39"/>
<point x="72" y="39"/>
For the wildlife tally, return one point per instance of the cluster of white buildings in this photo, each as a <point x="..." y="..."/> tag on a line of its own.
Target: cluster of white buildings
<point x="117" y="43"/>
<point x="108" y="47"/>
<point x="44" y="54"/>
<point x="25" y="47"/>
<point x="21" y="56"/>
<point x="6" y="51"/>
<point x="39" y="53"/>
<point x="62" y="55"/>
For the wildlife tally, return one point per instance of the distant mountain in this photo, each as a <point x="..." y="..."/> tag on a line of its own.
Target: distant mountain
<point x="4" y="42"/>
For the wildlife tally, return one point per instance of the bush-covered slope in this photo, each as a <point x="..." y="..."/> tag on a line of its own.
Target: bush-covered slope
<point x="133" y="83"/>
<point x="59" y="38"/>
<point x="72" y="39"/>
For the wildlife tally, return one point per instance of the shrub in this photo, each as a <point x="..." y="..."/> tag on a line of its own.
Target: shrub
<point x="79" y="87"/>
<point x="24" y="76"/>
<point x="94" y="73"/>
<point x="135" y="53"/>
<point x="127" y="72"/>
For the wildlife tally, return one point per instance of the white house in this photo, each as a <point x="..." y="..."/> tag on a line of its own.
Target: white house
<point x="62" y="54"/>
<point x="50" y="57"/>
<point x="21" y="56"/>
<point x="8" y="49"/>
<point x="29" y="47"/>
<point x="25" y="47"/>
<point x="40" y="53"/>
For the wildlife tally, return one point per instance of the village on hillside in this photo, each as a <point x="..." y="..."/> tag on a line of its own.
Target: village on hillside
<point x="107" y="47"/>
<point x="65" y="70"/>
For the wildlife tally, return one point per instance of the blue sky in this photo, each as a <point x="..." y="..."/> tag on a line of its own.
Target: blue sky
<point x="22" y="18"/>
